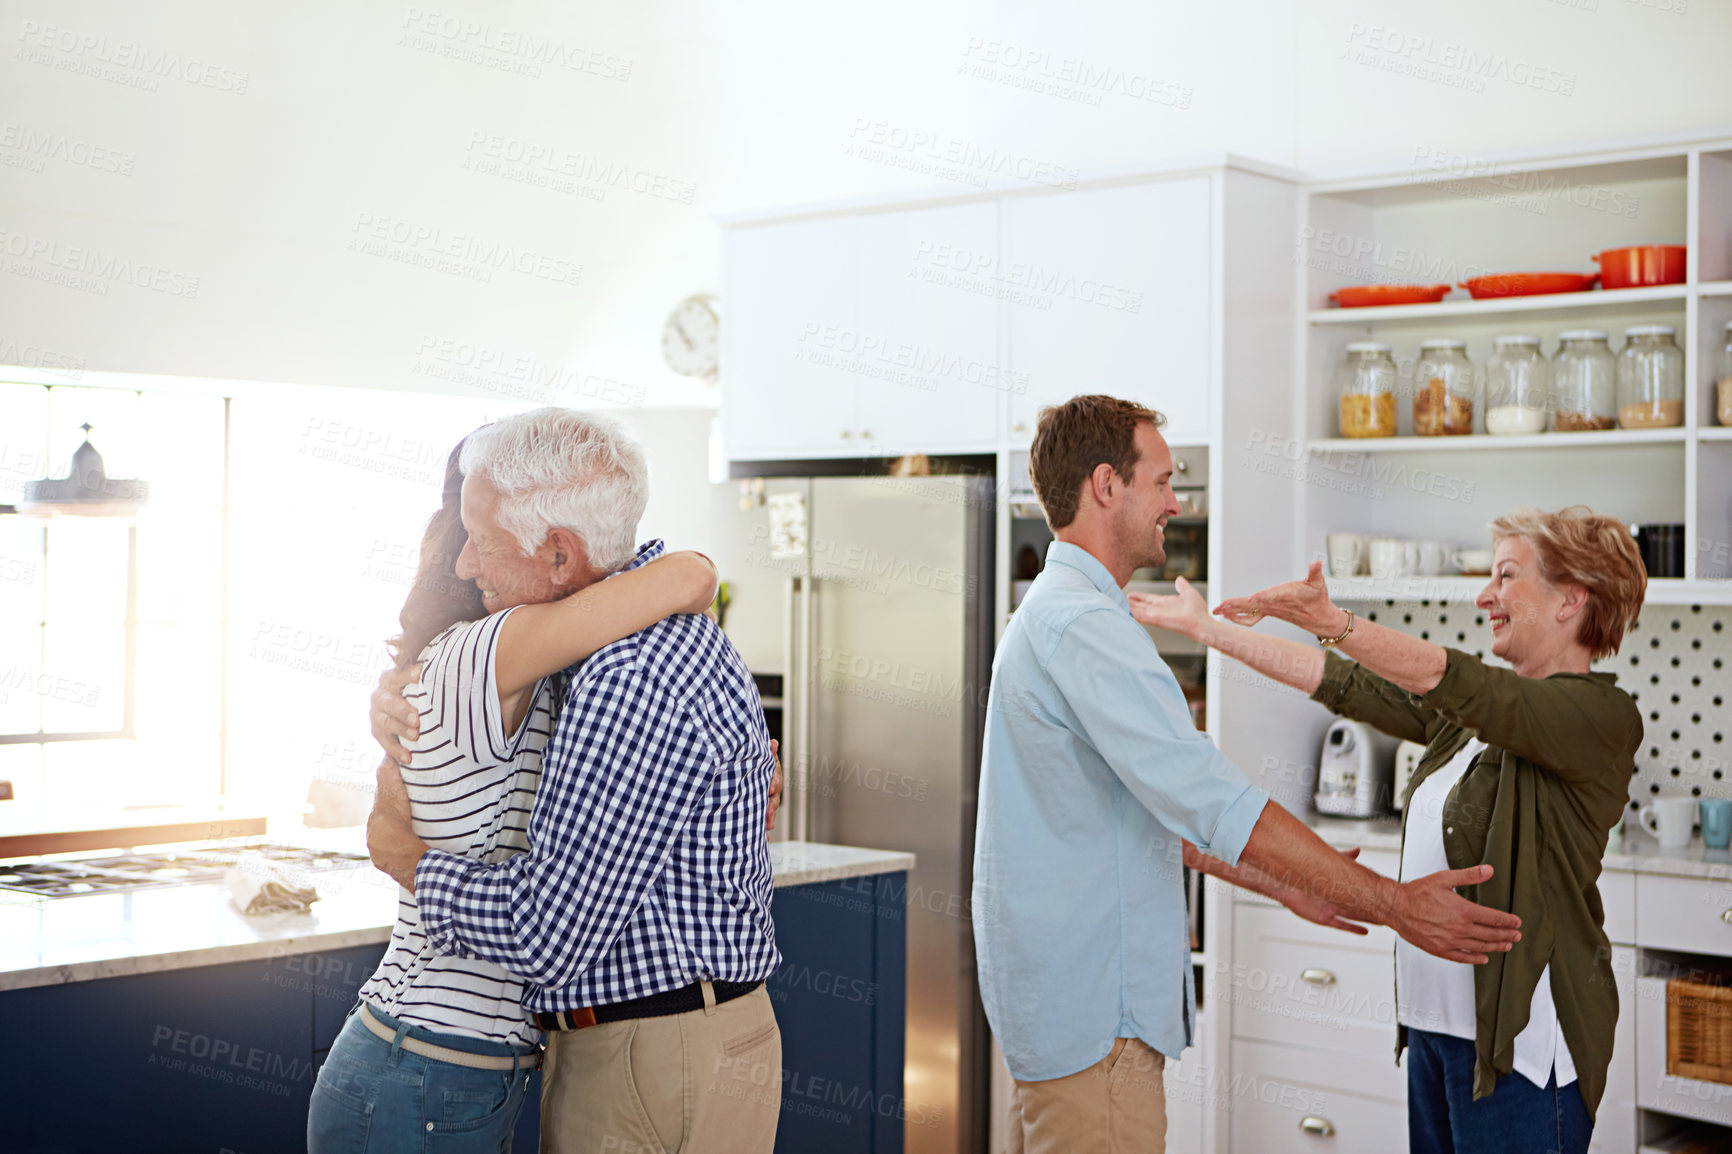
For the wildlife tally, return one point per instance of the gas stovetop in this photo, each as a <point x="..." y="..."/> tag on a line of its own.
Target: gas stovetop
<point x="135" y="871"/>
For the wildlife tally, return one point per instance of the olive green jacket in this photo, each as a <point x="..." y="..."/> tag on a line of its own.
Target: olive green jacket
<point x="1537" y="805"/>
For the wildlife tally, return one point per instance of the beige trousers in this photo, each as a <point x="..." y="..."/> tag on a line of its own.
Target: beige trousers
<point x="709" y="1082"/>
<point x="1116" y="1106"/>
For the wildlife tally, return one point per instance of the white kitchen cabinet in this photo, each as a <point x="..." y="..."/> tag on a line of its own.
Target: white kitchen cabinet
<point x="1292" y="1099"/>
<point x="1301" y="984"/>
<point x="944" y="325"/>
<point x="1683" y="914"/>
<point x="792" y="315"/>
<point x="847" y="336"/>
<point x="1109" y="290"/>
<point x="932" y="378"/>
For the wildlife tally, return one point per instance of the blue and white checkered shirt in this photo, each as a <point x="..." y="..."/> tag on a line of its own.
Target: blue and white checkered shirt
<point x="648" y="867"/>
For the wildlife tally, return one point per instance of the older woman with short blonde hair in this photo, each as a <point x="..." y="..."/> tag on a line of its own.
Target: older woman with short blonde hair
<point x="1525" y="769"/>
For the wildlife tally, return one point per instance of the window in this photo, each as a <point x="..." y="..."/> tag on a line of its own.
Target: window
<point x="110" y="629"/>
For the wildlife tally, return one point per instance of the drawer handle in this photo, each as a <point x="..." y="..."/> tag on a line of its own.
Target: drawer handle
<point x="1325" y="978"/>
<point x="1322" y="1127"/>
<point x="1727" y="916"/>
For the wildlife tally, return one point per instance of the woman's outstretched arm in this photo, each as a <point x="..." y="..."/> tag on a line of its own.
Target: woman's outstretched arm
<point x="1415" y="665"/>
<point x="1290" y="662"/>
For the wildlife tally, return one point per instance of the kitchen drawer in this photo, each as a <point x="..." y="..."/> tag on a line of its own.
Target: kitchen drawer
<point x="1689" y="914"/>
<point x="1618" y="895"/>
<point x="1307" y="985"/>
<point x="1658" y="1090"/>
<point x="1280" y="1091"/>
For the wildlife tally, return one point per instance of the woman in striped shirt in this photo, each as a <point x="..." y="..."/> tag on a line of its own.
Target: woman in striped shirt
<point x="438" y="1051"/>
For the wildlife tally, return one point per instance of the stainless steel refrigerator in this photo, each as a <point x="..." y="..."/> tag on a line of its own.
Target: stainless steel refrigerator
<point x="874" y="595"/>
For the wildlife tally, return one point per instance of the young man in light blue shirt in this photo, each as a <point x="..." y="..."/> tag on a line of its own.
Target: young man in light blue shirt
<point x="1092" y="773"/>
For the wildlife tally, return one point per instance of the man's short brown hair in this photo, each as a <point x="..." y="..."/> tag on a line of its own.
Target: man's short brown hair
<point x="1075" y="437"/>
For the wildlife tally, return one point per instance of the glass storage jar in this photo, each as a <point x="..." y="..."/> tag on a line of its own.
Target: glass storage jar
<point x="1367" y="390"/>
<point x="1516" y="387"/>
<point x="1584" y="383"/>
<point x="1650" y="379"/>
<point x="1443" y="389"/>
<point x="1724" y="408"/>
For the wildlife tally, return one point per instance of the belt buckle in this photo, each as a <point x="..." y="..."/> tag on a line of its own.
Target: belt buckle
<point x="580" y="1019"/>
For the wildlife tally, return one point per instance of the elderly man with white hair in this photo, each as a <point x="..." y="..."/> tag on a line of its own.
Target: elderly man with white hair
<point x="641" y="913"/>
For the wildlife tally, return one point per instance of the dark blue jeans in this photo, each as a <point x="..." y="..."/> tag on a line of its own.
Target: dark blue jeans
<point x="1516" y="1118"/>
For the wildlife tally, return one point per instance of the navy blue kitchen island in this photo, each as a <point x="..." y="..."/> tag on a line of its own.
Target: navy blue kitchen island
<point x="160" y="1051"/>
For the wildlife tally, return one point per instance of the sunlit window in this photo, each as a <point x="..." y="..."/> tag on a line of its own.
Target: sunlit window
<point x="247" y="680"/>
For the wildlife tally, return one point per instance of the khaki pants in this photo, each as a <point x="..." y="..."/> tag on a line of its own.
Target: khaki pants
<point x="1116" y="1106"/>
<point x="709" y="1082"/>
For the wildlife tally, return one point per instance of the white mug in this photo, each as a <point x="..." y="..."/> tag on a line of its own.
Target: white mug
<point x="1392" y="557"/>
<point x="1472" y="561"/>
<point x="1346" y="554"/>
<point x="1433" y="555"/>
<point x="1671" y="819"/>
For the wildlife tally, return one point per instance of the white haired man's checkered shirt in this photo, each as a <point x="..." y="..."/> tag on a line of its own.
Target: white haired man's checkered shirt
<point x="648" y="868"/>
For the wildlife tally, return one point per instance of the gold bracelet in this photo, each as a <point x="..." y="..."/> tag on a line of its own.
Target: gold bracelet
<point x="1332" y="642"/>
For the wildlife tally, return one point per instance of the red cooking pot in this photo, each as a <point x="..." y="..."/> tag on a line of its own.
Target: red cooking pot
<point x="1645" y="264"/>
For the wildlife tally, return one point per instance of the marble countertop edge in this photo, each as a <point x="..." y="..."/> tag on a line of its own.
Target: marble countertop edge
<point x="55" y="942"/>
<point x="65" y="973"/>
<point x="799" y="863"/>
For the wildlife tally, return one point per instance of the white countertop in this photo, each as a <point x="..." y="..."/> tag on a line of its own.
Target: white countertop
<point x="49" y="941"/>
<point x="1634" y="852"/>
<point x="800" y="863"/>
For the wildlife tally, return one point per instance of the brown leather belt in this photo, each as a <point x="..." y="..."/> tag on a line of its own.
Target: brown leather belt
<point x="681" y="1001"/>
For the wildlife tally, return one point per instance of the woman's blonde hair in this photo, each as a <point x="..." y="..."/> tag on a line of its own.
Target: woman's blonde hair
<point x="1577" y="546"/>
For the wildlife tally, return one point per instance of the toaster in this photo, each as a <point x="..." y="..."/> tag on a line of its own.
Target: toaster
<point x="1355" y="771"/>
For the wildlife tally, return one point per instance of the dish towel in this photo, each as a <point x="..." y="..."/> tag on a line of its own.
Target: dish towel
<point x="259" y="886"/>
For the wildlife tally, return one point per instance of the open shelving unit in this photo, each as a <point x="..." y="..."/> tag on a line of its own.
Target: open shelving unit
<point x="1572" y="304"/>
<point x="1550" y="215"/>
<point x="1540" y="215"/>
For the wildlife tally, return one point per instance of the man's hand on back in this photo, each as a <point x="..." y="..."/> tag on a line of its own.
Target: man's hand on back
<point x="392" y="718"/>
<point x="391" y="838"/>
<point x="775" y="786"/>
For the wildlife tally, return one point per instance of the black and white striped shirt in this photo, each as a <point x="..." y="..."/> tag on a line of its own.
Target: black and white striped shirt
<point x="471" y="788"/>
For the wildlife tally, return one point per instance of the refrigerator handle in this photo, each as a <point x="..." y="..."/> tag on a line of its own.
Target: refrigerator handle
<point x="808" y="708"/>
<point x="794" y="713"/>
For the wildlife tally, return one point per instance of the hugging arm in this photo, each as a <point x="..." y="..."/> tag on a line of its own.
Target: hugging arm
<point x="539" y="640"/>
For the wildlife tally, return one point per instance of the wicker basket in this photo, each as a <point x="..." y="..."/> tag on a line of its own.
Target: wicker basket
<point x="1699" y="1031"/>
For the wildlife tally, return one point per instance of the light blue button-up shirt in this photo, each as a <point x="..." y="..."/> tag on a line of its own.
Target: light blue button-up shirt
<point x="1091" y="775"/>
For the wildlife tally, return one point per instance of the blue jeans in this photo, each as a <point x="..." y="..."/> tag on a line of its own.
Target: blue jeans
<point x="374" y="1097"/>
<point x="1517" y="1117"/>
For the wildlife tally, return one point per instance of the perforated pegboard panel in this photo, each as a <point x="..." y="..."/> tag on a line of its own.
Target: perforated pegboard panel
<point x="1676" y="663"/>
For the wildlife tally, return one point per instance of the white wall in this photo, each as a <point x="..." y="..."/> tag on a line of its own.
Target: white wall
<point x="345" y="119"/>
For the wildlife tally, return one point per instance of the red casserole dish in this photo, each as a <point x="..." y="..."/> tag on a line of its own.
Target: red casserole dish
<point x="1362" y="296"/>
<point x="1645" y="264"/>
<point x="1529" y="284"/>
